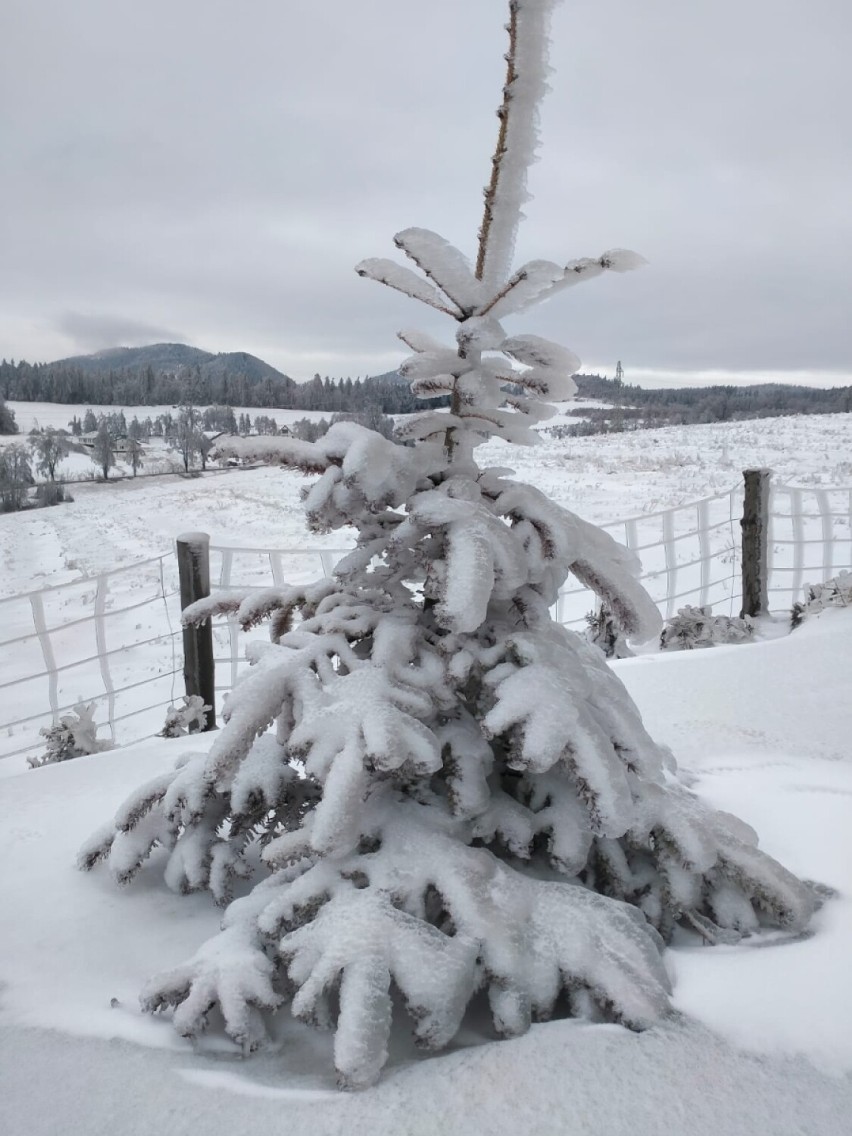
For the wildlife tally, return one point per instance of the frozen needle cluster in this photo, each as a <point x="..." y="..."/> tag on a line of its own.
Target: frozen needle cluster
<point x="446" y="792"/>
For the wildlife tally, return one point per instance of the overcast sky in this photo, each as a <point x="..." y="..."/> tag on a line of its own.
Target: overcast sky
<point x="209" y="171"/>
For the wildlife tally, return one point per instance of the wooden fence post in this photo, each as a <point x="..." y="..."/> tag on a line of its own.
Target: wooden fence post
<point x="193" y="555"/>
<point x="755" y="526"/>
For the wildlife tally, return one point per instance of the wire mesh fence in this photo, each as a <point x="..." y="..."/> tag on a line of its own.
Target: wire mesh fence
<point x="112" y="639"/>
<point x="690" y="554"/>
<point x="236" y="568"/>
<point x="810" y="539"/>
<point x="115" y="638"/>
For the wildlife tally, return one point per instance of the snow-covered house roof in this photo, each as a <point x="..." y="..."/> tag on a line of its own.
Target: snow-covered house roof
<point x="120" y="444"/>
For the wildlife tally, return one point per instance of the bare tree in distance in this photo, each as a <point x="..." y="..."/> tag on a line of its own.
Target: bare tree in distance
<point x="49" y="447"/>
<point x="103" y="451"/>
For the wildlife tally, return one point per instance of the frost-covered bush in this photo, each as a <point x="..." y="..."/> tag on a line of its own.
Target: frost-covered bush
<point x="74" y="735"/>
<point x="52" y="493"/>
<point x="371" y="417"/>
<point x="603" y="630"/>
<point x="308" y="430"/>
<point x="444" y="792"/>
<point x="836" y="592"/>
<point x="16" y="476"/>
<point x="698" y="627"/>
<point x="186" y="718"/>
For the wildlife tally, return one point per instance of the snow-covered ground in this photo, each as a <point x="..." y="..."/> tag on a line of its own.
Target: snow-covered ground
<point x="158" y="458"/>
<point x="603" y="478"/>
<point x="118" y="524"/>
<point x="760" y="1044"/>
<point x="59" y="414"/>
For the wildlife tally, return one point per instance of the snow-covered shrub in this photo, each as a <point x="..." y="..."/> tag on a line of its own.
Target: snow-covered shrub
<point x="603" y="630"/>
<point x="184" y="719"/>
<point x="74" y="735"/>
<point x="698" y="627"/>
<point x="836" y="592"/>
<point x="308" y="430"/>
<point x="372" y="417"/>
<point x="52" y="493"/>
<point x="457" y="795"/>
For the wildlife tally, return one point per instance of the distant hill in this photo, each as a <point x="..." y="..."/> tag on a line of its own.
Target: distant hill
<point x="161" y="356"/>
<point x="172" y="359"/>
<point x="175" y="373"/>
<point x="158" y="374"/>
<point x="241" y="363"/>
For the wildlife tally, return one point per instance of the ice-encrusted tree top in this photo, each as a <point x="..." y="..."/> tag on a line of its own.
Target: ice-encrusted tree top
<point x="484" y="359"/>
<point x="458" y="795"/>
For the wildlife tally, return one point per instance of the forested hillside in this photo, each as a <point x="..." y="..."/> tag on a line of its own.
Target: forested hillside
<point x="147" y="376"/>
<point x="172" y="373"/>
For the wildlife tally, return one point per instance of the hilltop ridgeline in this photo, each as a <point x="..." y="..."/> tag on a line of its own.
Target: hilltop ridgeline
<point x="174" y="373"/>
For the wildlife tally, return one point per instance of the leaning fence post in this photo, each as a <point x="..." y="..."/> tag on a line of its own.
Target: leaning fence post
<point x="755" y="526"/>
<point x="193" y="555"/>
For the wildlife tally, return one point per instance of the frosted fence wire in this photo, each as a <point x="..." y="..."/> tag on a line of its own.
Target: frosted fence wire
<point x="237" y="568"/>
<point x="115" y="639"/>
<point x="810" y="539"/>
<point x="107" y="639"/>
<point x="690" y="555"/>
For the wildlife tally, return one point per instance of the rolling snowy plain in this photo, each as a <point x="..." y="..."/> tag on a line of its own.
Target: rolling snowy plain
<point x="760" y="1042"/>
<point x="601" y="477"/>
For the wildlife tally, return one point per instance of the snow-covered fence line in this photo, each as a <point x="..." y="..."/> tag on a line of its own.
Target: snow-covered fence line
<point x="810" y="539"/>
<point x="690" y="554"/>
<point x="235" y="567"/>
<point x="112" y="639"/>
<point x="115" y="638"/>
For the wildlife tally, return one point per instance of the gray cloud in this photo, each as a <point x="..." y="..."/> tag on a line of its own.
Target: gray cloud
<point x="220" y="168"/>
<point x="96" y="332"/>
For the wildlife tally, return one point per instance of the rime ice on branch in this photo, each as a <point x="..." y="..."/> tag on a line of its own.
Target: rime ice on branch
<point x="445" y="791"/>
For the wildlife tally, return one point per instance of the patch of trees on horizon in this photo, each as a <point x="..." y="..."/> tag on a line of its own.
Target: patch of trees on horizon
<point x="633" y="407"/>
<point x="241" y="380"/>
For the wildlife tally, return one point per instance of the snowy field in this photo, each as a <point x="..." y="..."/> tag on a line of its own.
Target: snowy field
<point x="760" y="1042"/>
<point x="117" y="525"/>
<point x="158" y="458"/>
<point x="603" y="478"/>
<point x="58" y="415"/>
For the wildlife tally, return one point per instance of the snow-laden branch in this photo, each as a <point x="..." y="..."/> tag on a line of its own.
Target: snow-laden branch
<point x="443" y="264"/>
<point x="403" y="280"/>
<point x="540" y="280"/>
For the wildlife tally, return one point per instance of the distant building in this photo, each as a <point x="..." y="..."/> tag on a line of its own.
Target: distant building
<point x="120" y="445"/>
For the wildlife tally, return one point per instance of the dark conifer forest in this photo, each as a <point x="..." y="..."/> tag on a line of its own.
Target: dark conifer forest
<point x="175" y="374"/>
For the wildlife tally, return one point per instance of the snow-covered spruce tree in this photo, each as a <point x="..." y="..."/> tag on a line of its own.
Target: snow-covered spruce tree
<point x="74" y="735"/>
<point x="449" y="793"/>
